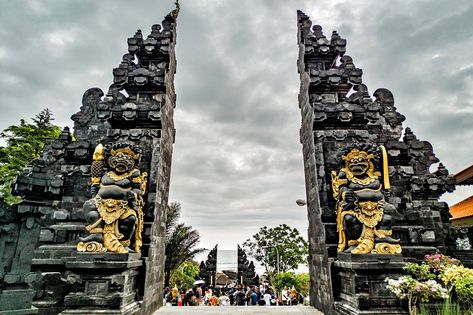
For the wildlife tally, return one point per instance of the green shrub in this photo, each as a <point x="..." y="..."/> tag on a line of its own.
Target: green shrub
<point x="464" y="289"/>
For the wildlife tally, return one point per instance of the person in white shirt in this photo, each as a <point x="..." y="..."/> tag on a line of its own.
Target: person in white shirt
<point x="224" y="300"/>
<point x="284" y="297"/>
<point x="267" y="298"/>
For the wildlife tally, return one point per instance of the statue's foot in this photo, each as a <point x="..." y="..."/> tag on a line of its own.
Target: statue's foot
<point x="387" y="239"/>
<point x="112" y="244"/>
<point x="349" y="249"/>
<point x="364" y="247"/>
<point x="126" y="245"/>
<point x="97" y="237"/>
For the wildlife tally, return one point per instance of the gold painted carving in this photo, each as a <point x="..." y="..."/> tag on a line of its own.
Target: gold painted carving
<point x="125" y="150"/>
<point x="99" y="153"/>
<point x="123" y="180"/>
<point x="117" y="177"/>
<point x="94" y="247"/>
<point x="111" y="209"/>
<point x="369" y="212"/>
<point x="386" y="248"/>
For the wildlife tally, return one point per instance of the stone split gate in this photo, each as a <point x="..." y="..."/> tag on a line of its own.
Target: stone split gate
<point x="42" y="272"/>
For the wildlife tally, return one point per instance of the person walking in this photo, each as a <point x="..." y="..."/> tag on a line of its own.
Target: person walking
<point x="267" y="298"/>
<point x="224" y="300"/>
<point x="198" y="295"/>
<point x="284" y="296"/>
<point x="254" y="298"/>
<point x="293" y="296"/>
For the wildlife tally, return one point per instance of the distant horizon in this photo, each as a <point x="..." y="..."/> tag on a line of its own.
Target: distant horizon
<point x="258" y="267"/>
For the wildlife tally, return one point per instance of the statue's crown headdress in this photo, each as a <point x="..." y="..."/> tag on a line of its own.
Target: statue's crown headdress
<point x="126" y="150"/>
<point x="354" y="153"/>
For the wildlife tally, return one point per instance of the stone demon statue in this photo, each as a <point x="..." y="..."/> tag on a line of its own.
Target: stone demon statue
<point x="364" y="218"/>
<point x="115" y="212"/>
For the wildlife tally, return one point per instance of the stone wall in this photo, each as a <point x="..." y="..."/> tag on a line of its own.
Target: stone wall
<point x="162" y="156"/>
<point x="320" y="281"/>
<point x="16" y="254"/>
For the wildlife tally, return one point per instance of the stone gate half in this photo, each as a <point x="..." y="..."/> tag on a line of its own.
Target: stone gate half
<point x="138" y="111"/>
<point x="337" y="111"/>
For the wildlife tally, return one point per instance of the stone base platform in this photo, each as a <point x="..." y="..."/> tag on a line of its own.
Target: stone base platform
<point x="360" y="286"/>
<point x="102" y="283"/>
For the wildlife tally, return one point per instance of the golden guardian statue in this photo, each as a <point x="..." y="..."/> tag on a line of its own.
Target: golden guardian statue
<point x="115" y="212"/>
<point x="364" y="217"/>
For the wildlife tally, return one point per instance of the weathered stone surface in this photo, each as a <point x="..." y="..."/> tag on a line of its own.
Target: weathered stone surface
<point x="360" y="286"/>
<point x="19" y="231"/>
<point x="17" y="301"/>
<point x="101" y="283"/>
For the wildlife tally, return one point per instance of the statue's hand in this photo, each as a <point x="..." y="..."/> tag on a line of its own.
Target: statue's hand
<point x="350" y="196"/>
<point x="130" y="196"/>
<point x="349" y="199"/>
<point x="94" y="190"/>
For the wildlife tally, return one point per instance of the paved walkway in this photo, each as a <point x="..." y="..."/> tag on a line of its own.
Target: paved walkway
<point x="291" y="310"/>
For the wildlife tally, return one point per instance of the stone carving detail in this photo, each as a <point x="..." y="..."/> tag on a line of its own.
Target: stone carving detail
<point x="115" y="213"/>
<point x="364" y="217"/>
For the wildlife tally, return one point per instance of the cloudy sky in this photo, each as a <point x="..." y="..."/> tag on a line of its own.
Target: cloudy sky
<point x="237" y="161"/>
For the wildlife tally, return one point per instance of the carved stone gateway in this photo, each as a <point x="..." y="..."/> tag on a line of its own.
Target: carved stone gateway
<point x="103" y="192"/>
<point x="246" y="269"/>
<point x="372" y="201"/>
<point x="208" y="269"/>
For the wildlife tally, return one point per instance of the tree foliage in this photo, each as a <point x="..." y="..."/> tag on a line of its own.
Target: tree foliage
<point x="268" y="242"/>
<point x="181" y="242"/>
<point x="300" y="281"/>
<point x="184" y="276"/>
<point x="24" y="142"/>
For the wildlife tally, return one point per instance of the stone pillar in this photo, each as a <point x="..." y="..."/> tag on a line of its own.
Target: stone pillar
<point x="102" y="283"/>
<point x="360" y="286"/>
<point x="16" y="254"/>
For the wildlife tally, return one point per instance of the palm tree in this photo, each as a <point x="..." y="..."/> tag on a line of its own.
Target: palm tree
<point x="181" y="241"/>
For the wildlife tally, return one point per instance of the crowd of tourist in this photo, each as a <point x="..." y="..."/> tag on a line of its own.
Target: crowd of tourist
<point x="261" y="295"/>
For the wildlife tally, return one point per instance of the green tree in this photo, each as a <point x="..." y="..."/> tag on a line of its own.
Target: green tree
<point x="282" y="241"/>
<point x="184" y="275"/>
<point x="181" y="242"/>
<point x="24" y="142"/>
<point x="300" y="281"/>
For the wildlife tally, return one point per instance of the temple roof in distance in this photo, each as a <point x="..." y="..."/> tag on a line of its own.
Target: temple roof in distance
<point x="462" y="213"/>
<point x="464" y="177"/>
